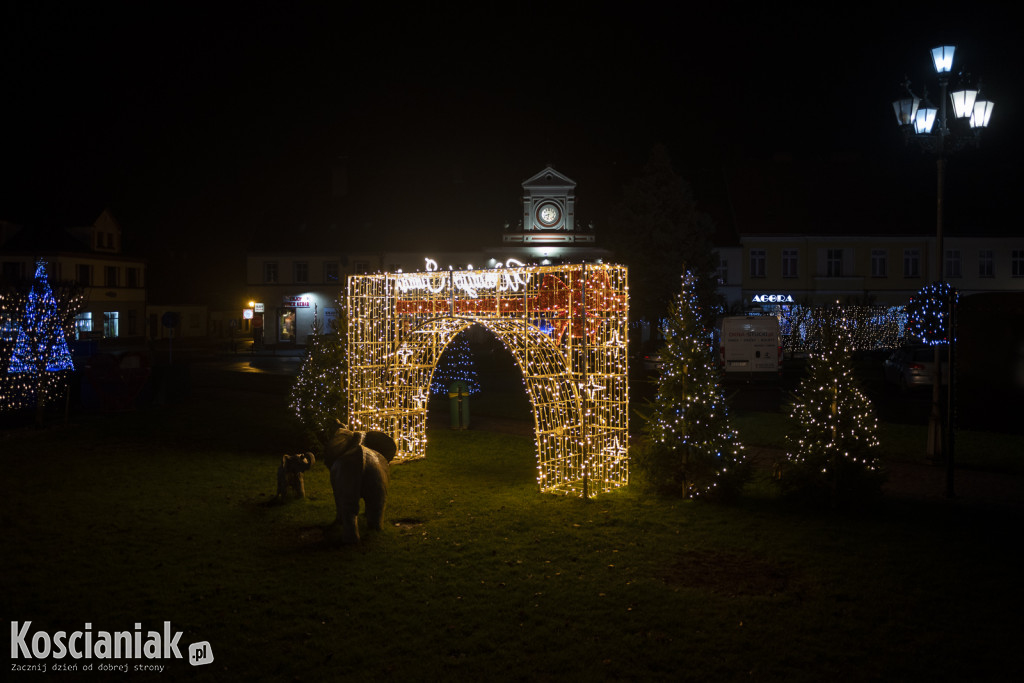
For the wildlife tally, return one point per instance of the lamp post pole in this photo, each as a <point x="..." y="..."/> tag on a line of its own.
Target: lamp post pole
<point x="917" y="122"/>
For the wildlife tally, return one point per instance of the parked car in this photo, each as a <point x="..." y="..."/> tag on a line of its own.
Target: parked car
<point x="911" y="367"/>
<point x="652" y="361"/>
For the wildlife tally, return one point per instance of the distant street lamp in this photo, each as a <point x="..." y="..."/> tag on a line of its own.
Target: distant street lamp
<point x="932" y="130"/>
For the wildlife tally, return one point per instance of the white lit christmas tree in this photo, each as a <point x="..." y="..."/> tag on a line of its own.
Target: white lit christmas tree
<point x="456" y="364"/>
<point x="40" y="361"/>
<point x="832" y="444"/>
<point x="692" y="447"/>
<point x="318" y="396"/>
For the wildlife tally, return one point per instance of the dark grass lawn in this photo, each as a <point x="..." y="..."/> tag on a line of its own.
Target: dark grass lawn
<point x="163" y="515"/>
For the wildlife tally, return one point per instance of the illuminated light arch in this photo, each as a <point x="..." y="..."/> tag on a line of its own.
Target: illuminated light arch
<point x="565" y="326"/>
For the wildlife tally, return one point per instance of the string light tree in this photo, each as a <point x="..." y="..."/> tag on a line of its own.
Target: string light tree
<point x="40" y="364"/>
<point x="832" y="441"/>
<point x="318" y="396"/>
<point x="930" y="129"/>
<point x="456" y="364"/>
<point x="691" y="446"/>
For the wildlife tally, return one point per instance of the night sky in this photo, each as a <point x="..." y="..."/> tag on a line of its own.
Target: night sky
<point x="211" y="131"/>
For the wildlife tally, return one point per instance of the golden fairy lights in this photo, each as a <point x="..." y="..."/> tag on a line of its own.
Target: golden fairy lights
<point x="565" y="326"/>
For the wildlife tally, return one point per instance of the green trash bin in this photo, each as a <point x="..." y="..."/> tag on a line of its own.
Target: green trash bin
<point x="458" y="394"/>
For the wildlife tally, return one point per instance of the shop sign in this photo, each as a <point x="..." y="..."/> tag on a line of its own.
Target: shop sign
<point x="773" y="299"/>
<point x="297" y="301"/>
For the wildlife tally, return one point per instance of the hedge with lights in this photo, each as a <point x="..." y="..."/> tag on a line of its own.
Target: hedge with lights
<point x="692" y="448"/>
<point x="832" y="445"/>
<point x="318" y="396"/>
<point x="871" y="327"/>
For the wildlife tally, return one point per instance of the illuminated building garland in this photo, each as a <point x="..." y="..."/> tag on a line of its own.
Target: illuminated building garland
<point x="565" y="326"/>
<point x="693" y="448"/>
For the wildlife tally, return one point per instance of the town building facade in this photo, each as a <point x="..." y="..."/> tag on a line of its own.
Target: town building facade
<point x="90" y="255"/>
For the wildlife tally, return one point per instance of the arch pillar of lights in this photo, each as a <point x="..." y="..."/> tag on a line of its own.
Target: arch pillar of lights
<point x="565" y="326"/>
<point x="931" y="129"/>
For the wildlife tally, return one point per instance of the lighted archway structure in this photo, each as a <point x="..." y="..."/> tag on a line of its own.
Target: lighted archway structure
<point x="566" y="326"/>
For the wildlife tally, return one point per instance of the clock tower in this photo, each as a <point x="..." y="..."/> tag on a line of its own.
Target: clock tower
<point x="548" y="231"/>
<point x="549" y="212"/>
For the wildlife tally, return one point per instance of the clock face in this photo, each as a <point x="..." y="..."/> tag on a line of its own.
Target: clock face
<point x="548" y="214"/>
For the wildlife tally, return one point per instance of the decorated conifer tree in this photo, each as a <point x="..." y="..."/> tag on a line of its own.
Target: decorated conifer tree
<point x="40" y="362"/>
<point x="832" y="443"/>
<point x="692" y="447"/>
<point x="456" y="364"/>
<point x="318" y="396"/>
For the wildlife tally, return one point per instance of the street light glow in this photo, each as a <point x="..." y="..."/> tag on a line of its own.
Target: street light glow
<point x="943" y="58"/>
<point x="963" y="102"/>
<point x="981" y="114"/>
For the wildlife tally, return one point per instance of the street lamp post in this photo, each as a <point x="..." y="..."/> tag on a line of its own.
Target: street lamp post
<point x="918" y="120"/>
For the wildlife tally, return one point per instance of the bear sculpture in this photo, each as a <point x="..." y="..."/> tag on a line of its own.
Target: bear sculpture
<point x="289" y="474"/>
<point x="359" y="463"/>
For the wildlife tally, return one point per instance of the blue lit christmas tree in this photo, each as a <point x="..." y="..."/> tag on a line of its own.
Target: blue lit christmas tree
<point x="692" y="447"/>
<point x="40" y="360"/>
<point x="456" y="363"/>
<point x="41" y="345"/>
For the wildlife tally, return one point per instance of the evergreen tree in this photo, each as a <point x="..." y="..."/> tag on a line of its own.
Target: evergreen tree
<point x="40" y="363"/>
<point x="692" y="447"/>
<point x="456" y="364"/>
<point x="318" y="396"/>
<point x="832" y="444"/>
<point x="655" y="226"/>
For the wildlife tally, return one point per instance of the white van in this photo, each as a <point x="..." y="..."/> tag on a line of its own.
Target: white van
<point x="750" y="345"/>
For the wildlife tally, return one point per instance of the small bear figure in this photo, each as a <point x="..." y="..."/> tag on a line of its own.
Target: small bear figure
<point x="289" y="474"/>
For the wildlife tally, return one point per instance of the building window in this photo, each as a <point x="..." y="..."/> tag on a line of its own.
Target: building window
<point x="757" y="259"/>
<point x="878" y="263"/>
<point x="985" y="263"/>
<point x="301" y="272"/>
<point x="83" y="273"/>
<point x="723" y="271"/>
<point x="834" y="262"/>
<point x="1017" y="263"/>
<point x="270" y="272"/>
<point x="131" y="277"/>
<point x="110" y="329"/>
<point x="133" y="322"/>
<point x="361" y="267"/>
<point x="83" y="323"/>
<point x="331" y="271"/>
<point x="110" y="276"/>
<point x="789" y="263"/>
<point x="911" y="263"/>
<point x="953" y="263"/>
